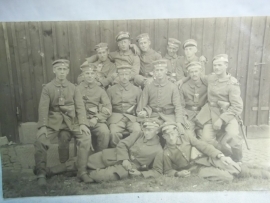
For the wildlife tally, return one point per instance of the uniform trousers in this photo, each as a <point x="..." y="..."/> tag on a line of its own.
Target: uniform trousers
<point x="43" y="142"/>
<point x="118" y="128"/>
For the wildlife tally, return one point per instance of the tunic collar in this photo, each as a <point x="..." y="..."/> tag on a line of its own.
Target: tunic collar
<point x="153" y="141"/>
<point x="60" y="84"/>
<point x="225" y="79"/>
<point x="192" y="84"/>
<point x="149" y="51"/>
<point x="90" y="85"/>
<point x="162" y="83"/>
<point x="127" y="87"/>
<point x="167" y="56"/>
<point x="127" y="53"/>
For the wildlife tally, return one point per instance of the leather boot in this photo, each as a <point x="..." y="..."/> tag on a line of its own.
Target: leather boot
<point x="42" y="181"/>
<point x="86" y="179"/>
<point x="55" y="170"/>
<point x="63" y="146"/>
<point x="237" y="154"/>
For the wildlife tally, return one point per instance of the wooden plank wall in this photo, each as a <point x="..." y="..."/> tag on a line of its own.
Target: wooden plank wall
<point x="28" y="49"/>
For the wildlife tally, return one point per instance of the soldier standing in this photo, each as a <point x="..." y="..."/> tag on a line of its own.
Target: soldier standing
<point x="161" y="98"/>
<point x="124" y="98"/>
<point x="174" y="61"/>
<point x="193" y="96"/>
<point x="147" y="57"/>
<point x="124" y="56"/>
<point x="61" y="108"/>
<point x="224" y="105"/>
<point x="106" y="70"/>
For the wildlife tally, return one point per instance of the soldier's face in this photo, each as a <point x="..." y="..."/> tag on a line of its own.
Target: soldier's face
<point x="102" y="54"/>
<point x="123" y="45"/>
<point x="195" y="74"/>
<point x="190" y="51"/>
<point x="160" y="72"/>
<point x="171" y="137"/>
<point x="172" y="50"/>
<point x="61" y="72"/>
<point x="220" y="67"/>
<point x="89" y="76"/>
<point x="124" y="77"/>
<point x="144" y="44"/>
<point x="149" y="133"/>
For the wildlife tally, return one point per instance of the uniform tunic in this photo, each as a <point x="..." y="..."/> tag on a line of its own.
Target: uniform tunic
<point x="175" y="66"/>
<point x="123" y="99"/>
<point x="220" y="92"/>
<point x="161" y="99"/>
<point x="96" y="100"/>
<point x="139" y="151"/>
<point x="178" y="157"/>
<point x="66" y="117"/>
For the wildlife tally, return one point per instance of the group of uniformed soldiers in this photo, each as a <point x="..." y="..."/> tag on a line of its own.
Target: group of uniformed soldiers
<point x="145" y="115"/>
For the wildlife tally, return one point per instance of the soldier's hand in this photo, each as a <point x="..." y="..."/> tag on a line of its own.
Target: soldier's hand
<point x="226" y="160"/>
<point x="135" y="49"/>
<point x="93" y="122"/>
<point x="217" y="125"/>
<point x="183" y="173"/>
<point x="179" y="84"/>
<point x="186" y="123"/>
<point x="134" y="172"/>
<point x="180" y="128"/>
<point x="41" y="131"/>
<point x="203" y="59"/>
<point x="142" y="114"/>
<point x="148" y="81"/>
<point x="84" y="128"/>
<point x="127" y="165"/>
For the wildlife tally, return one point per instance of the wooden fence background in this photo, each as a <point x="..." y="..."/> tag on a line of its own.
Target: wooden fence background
<point x="28" y="48"/>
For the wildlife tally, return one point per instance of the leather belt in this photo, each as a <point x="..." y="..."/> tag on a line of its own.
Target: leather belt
<point x="192" y="108"/>
<point x="163" y="110"/>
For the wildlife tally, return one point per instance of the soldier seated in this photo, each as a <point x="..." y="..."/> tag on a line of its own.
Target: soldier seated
<point x="106" y="70"/>
<point x="61" y="109"/>
<point x="124" y="98"/>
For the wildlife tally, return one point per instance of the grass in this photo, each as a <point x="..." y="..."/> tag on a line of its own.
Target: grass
<point x="21" y="185"/>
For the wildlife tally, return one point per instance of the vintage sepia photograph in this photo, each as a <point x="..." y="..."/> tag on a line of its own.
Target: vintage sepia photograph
<point x="134" y="106"/>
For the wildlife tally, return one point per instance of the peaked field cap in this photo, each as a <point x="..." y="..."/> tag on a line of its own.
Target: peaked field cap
<point x="151" y="124"/>
<point x="124" y="68"/>
<point x="194" y="64"/>
<point x="221" y="58"/>
<point x="61" y="62"/>
<point x="160" y="63"/>
<point x="168" y="126"/>
<point x="190" y="42"/>
<point x="142" y="36"/>
<point x="101" y="46"/>
<point x="174" y="42"/>
<point x="88" y="67"/>
<point x="122" y="35"/>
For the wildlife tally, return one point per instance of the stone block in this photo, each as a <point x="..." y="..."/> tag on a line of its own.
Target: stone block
<point x="27" y="132"/>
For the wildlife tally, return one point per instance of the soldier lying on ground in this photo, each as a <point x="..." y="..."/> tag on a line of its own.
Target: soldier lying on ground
<point x="106" y="70"/>
<point x="132" y="154"/>
<point x="184" y="155"/>
<point x="124" y="98"/>
<point x="61" y="108"/>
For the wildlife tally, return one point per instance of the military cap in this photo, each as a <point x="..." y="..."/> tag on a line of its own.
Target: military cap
<point x="142" y="36"/>
<point x="194" y="64"/>
<point x="160" y="63"/>
<point x="221" y="58"/>
<point x="88" y="67"/>
<point x="122" y="35"/>
<point x="123" y="68"/>
<point x="189" y="42"/>
<point x="101" y="46"/>
<point x="168" y="126"/>
<point x="174" y="42"/>
<point x="151" y="123"/>
<point x="60" y="62"/>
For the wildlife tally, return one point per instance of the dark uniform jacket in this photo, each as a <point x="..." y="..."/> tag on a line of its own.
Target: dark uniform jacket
<point x="72" y="111"/>
<point x="193" y="97"/>
<point x="161" y="100"/>
<point x="96" y="101"/>
<point x="221" y="90"/>
<point x="174" y="65"/>
<point x="122" y="99"/>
